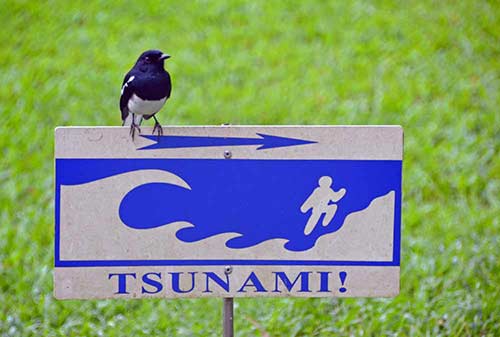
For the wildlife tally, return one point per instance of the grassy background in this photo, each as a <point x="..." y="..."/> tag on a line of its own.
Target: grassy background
<point x="433" y="67"/>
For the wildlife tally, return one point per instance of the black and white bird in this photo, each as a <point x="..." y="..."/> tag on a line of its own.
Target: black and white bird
<point x="145" y="89"/>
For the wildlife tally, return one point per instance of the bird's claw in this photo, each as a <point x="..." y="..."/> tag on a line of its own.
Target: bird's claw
<point x="133" y="127"/>
<point x="159" y="128"/>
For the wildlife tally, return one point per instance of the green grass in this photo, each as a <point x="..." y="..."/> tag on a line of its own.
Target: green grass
<point x="433" y="67"/>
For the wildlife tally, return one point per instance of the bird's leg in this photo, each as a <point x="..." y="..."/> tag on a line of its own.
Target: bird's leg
<point x="157" y="126"/>
<point x="134" y="126"/>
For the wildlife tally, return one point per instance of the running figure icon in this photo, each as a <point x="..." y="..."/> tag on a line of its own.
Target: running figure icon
<point x="319" y="201"/>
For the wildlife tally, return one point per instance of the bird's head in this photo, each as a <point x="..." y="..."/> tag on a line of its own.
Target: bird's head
<point x="152" y="59"/>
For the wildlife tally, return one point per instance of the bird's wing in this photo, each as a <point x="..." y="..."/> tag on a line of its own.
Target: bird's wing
<point x="169" y="85"/>
<point x="126" y="93"/>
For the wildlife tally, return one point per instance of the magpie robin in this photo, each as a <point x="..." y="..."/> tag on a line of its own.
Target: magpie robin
<point x="145" y="89"/>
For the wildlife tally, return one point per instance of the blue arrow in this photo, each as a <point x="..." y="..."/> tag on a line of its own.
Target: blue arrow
<point x="265" y="142"/>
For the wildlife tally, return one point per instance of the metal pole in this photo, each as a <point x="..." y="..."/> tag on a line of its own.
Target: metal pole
<point x="227" y="317"/>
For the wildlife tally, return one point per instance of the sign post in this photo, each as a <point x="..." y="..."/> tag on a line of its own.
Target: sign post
<point x="227" y="317"/>
<point x="228" y="211"/>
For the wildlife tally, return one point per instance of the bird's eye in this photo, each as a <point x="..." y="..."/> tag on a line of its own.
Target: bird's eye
<point x="147" y="59"/>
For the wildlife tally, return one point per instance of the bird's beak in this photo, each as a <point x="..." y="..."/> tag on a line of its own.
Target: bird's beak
<point x="164" y="56"/>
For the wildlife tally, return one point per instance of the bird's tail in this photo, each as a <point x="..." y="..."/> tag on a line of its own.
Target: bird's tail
<point x="128" y="121"/>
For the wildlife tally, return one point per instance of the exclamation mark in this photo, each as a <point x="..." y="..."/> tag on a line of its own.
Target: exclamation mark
<point x="343" y="276"/>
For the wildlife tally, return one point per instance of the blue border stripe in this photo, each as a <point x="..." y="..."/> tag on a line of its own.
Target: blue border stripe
<point x="396" y="254"/>
<point x="143" y="263"/>
<point x="57" y="237"/>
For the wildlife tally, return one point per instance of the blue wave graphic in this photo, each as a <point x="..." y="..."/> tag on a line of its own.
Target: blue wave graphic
<point x="260" y="199"/>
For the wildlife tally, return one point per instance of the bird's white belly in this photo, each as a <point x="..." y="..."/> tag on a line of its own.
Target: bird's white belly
<point x="137" y="105"/>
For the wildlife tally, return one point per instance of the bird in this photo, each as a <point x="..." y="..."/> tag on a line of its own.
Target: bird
<point x="145" y="89"/>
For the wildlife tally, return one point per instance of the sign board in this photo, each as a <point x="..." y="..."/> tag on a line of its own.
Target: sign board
<point x="228" y="211"/>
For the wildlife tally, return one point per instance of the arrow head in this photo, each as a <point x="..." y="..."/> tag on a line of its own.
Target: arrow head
<point x="270" y="142"/>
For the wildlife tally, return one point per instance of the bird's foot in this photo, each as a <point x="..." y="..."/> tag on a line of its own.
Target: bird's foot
<point x="134" y="127"/>
<point x="159" y="128"/>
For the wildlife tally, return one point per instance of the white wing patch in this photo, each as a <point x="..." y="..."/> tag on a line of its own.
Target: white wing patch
<point x="126" y="83"/>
